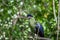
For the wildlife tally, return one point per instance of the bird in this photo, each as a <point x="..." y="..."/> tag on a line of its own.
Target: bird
<point x="31" y="20"/>
<point x="38" y="28"/>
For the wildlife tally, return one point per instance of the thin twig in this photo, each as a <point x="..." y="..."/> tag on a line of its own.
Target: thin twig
<point x="4" y="3"/>
<point x="54" y="11"/>
<point x="19" y="14"/>
<point x="58" y="21"/>
<point x="41" y="38"/>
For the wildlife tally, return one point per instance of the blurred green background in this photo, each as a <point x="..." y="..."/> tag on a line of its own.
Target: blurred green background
<point x="42" y="10"/>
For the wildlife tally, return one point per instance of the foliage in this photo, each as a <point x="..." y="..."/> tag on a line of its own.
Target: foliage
<point x="42" y="10"/>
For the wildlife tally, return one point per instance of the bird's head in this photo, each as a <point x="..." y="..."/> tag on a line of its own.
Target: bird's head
<point x="29" y="16"/>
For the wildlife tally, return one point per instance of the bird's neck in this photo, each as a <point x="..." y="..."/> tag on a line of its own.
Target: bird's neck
<point x="32" y="22"/>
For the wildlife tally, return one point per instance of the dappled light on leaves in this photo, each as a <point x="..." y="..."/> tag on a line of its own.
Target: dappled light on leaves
<point x="11" y="10"/>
